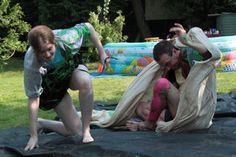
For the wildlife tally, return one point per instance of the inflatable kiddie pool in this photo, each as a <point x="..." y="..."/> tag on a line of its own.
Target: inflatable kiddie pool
<point x="227" y="45"/>
<point x="130" y="58"/>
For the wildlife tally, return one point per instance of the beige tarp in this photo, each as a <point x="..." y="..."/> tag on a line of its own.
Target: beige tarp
<point x="197" y="97"/>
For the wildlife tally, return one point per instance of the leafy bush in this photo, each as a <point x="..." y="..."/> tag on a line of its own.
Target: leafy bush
<point x="12" y="27"/>
<point x="108" y="31"/>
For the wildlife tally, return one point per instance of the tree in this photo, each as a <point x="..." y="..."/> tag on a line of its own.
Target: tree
<point x="12" y="27"/>
<point x="144" y="30"/>
<point x="110" y="30"/>
<point x="62" y="13"/>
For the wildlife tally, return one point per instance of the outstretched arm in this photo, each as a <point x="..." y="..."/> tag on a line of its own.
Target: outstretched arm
<point x="97" y="43"/>
<point x="33" y="105"/>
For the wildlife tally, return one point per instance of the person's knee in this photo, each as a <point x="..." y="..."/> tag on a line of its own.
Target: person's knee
<point x="81" y="82"/>
<point x="161" y="87"/>
<point x="85" y="83"/>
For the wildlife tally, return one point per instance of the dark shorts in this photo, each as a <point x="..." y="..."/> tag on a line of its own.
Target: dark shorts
<point x="56" y="82"/>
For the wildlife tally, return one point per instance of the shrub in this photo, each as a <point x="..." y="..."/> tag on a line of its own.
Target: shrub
<point x="108" y="31"/>
<point x="12" y="27"/>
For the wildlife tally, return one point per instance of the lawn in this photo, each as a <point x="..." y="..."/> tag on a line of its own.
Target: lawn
<point x="13" y="102"/>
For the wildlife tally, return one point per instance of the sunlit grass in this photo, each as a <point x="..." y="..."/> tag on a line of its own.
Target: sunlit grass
<point x="226" y="82"/>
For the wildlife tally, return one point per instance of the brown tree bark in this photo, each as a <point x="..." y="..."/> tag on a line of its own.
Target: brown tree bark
<point x="144" y="30"/>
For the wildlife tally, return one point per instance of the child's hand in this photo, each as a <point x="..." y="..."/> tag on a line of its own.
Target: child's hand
<point x="180" y="32"/>
<point x="178" y="29"/>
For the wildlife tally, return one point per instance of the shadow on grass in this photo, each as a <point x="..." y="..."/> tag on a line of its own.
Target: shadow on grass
<point x="13" y="65"/>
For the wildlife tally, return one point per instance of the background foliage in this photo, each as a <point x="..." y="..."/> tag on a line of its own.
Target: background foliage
<point x="66" y="13"/>
<point x="12" y="27"/>
<point x="61" y="13"/>
<point x="109" y="30"/>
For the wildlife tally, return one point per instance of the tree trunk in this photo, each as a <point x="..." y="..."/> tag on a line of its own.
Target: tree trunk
<point x="140" y="18"/>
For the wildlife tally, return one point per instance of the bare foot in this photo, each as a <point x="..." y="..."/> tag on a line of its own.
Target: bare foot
<point x="87" y="138"/>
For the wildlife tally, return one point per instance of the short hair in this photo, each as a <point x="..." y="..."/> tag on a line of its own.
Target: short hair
<point x="162" y="47"/>
<point x="39" y="34"/>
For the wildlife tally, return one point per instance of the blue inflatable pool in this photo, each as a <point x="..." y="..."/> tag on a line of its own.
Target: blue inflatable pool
<point x="131" y="58"/>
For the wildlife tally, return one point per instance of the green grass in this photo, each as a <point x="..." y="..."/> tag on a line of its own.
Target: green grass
<point x="226" y="82"/>
<point x="13" y="102"/>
